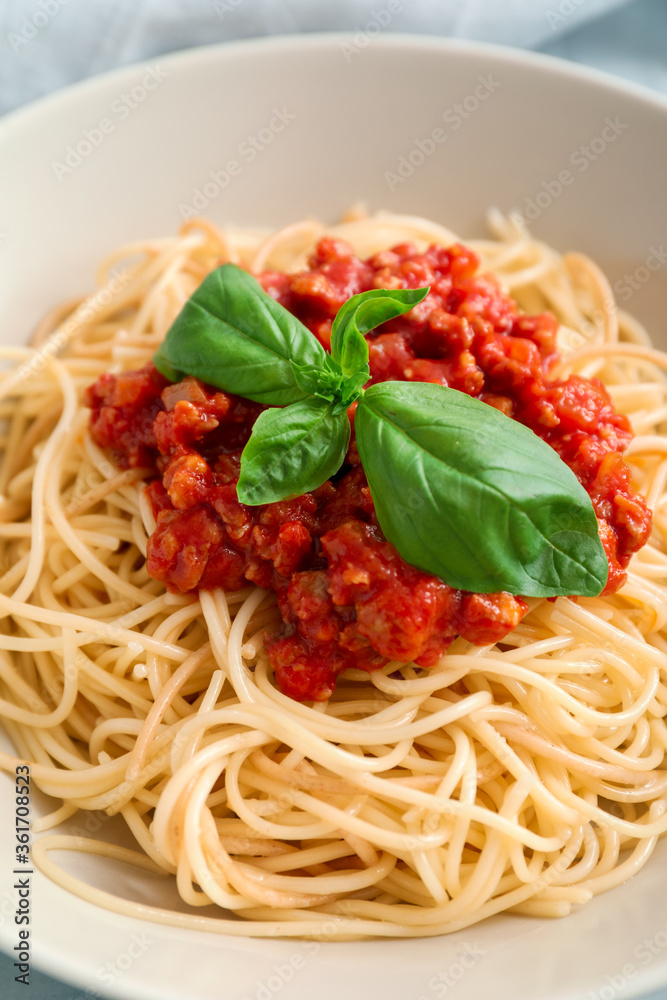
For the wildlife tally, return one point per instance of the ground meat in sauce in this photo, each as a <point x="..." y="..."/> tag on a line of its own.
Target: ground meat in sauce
<point x="346" y="597"/>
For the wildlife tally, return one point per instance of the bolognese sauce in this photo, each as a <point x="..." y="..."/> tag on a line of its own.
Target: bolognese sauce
<point x="347" y="599"/>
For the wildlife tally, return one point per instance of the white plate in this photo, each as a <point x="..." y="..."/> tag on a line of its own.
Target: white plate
<point x="358" y="114"/>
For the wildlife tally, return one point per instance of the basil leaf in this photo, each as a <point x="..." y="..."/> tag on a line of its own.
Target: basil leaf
<point x="466" y="493"/>
<point x="362" y="313"/>
<point x="292" y="451"/>
<point x="232" y="335"/>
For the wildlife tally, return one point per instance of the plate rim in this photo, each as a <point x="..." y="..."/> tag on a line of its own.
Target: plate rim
<point x="546" y="62"/>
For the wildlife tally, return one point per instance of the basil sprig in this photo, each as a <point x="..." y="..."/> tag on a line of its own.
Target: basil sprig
<point x="461" y="490"/>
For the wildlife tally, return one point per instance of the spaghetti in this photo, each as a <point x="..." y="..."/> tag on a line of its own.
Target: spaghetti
<point x="525" y="776"/>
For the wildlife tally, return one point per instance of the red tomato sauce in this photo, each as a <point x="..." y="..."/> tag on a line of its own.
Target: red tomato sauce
<point x="346" y="597"/>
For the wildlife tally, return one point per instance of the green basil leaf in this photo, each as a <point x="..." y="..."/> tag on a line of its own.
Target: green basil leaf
<point x="232" y="335"/>
<point x="292" y="451"/>
<point x="466" y="493"/>
<point x="362" y="313"/>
